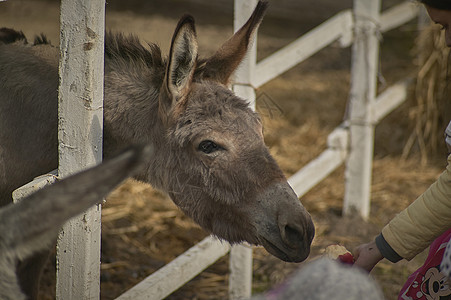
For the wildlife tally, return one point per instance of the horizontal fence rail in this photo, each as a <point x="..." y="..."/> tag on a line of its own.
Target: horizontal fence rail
<point x="303" y="47"/>
<point x="35" y="185"/>
<point x="398" y="15"/>
<point x="179" y="271"/>
<point x="337" y="141"/>
<point x="340" y="27"/>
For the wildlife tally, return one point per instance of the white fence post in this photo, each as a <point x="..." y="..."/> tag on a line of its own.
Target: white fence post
<point x="240" y="280"/>
<point x="365" y="53"/>
<point x="80" y="124"/>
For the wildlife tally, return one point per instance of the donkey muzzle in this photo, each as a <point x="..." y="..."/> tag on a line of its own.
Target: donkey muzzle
<point x="285" y="228"/>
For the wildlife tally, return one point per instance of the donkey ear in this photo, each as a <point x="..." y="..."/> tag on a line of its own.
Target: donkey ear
<point x="224" y="62"/>
<point x="182" y="60"/>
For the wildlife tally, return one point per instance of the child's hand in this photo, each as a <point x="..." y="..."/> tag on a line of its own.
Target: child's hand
<point x="367" y="256"/>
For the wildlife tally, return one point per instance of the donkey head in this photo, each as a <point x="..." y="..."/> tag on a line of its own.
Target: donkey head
<point x="226" y="179"/>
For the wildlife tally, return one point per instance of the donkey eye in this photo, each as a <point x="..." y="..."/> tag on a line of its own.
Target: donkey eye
<point x="208" y="147"/>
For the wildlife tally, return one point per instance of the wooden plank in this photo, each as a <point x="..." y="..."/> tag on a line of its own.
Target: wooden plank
<point x="319" y="168"/>
<point x="327" y="162"/>
<point x="338" y="27"/>
<point x="316" y="170"/>
<point x="365" y="53"/>
<point x="339" y="138"/>
<point x="34" y="185"/>
<point x="240" y="263"/>
<point x="390" y="99"/>
<point x="80" y="140"/>
<point x="398" y="15"/>
<point x="303" y="47"/>
<point x="179" y="271"/>
<point x="337" y="141"/>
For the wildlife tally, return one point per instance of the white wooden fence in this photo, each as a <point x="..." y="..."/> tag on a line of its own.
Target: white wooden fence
<point x="80" y="132"/>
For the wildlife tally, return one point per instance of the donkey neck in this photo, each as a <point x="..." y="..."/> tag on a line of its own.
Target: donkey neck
<point x="133" y="77"/>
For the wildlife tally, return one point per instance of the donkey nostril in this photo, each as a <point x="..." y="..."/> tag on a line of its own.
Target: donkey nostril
<point x="293" y="236"/>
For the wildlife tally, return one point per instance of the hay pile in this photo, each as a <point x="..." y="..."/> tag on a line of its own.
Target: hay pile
<point x="432" y="110"/>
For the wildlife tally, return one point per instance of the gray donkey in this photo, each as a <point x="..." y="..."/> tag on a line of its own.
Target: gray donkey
<point x="33" y="224"/>
<point x="209" y="154"/>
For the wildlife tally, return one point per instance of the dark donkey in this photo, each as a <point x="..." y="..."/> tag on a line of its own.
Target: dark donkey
<point x="209" y="153"/>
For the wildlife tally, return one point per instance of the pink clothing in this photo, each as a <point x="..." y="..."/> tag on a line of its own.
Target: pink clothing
<point x="428" y="282"/>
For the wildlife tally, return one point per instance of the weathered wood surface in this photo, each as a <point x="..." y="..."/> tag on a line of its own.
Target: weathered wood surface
<point x="35" y="185"/>
<point x="240" y="264"/>
<point x="80" y="140"/>
<point x="365" y="57"/>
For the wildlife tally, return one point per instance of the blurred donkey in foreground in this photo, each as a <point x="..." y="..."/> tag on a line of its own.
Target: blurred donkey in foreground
<point x="33" y="224"/>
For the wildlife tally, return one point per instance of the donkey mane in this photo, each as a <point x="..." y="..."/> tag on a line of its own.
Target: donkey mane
<point x="128" y="48"/>
<point x="125" y="49"/>
<point x="41" y="40"/>
<point x="8" y="36"/>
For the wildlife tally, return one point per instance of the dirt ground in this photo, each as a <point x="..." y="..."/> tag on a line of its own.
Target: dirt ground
<point x="142" y="228"/>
